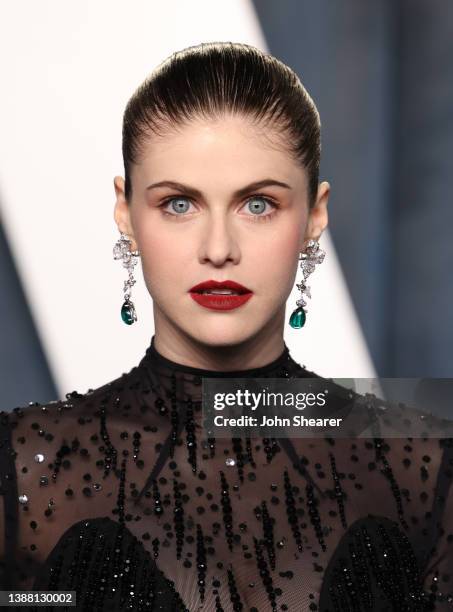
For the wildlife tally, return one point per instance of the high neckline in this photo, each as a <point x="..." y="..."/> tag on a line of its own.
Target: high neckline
<point x="156" y="360"/>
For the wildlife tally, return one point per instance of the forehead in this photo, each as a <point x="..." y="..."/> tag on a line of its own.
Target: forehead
<point x="231" y="145"/>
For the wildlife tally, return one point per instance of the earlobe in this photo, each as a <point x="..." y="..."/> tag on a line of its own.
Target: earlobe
<point x="121" y="210"/>
<point x="318" y="216"/>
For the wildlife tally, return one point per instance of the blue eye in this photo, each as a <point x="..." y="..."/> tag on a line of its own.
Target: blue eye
<point x="257" y="205"/>
<point x="257" y="208"/>
<point x="179" y="205"/>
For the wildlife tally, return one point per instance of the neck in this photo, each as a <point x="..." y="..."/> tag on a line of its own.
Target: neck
<point x="254" y="352"/>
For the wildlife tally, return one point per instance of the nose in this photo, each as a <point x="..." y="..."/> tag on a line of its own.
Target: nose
<point x="218" y="244"/>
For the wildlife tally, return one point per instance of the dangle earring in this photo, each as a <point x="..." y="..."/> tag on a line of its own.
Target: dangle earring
<point x="122" y="250"/>
<point x="312" y="255"/>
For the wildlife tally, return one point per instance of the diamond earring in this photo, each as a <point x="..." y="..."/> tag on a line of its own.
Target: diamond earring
<point x="122" y="250"/>
<point x="312" y="255"/>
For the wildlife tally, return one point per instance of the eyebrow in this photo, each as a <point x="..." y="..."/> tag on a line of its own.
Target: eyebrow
<point x="237" y="194"/>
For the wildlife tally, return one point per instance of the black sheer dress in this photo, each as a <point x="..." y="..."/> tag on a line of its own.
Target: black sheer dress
<point x="117" y="495"/>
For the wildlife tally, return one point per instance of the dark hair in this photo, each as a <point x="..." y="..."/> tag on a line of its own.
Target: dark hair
<point x="209" y="79"/>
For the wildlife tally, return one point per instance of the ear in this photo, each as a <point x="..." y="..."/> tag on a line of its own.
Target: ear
<point x="122" y="213"/>
<point x="318" y="217"/>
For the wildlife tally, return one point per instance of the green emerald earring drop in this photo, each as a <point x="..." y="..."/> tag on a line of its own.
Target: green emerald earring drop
<point x="298" y="318"/>
<point x="312" y="255"/>
<point x="128" y="313"/>
<point x="122" y="250"/>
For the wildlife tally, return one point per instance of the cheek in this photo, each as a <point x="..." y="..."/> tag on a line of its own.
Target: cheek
<point x="162" y="267"/>
<point x="276" y="266"/>
<point x="158" y="250"/>
<point x="280" y="253"/>
<point x="162" y="261"/>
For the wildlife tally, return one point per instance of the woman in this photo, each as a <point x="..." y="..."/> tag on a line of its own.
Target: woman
<point x="118" y="494"/>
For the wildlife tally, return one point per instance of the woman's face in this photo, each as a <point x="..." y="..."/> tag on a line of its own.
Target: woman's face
<point x="217" y="200"/>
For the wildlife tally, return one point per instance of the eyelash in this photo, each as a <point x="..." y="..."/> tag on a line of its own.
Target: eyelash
<point x="266" y="217"/>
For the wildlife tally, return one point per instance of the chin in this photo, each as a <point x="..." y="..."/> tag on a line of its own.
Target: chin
<point x="221" y="333"/>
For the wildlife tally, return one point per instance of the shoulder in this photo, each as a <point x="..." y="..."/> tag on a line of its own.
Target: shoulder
<point x="40" y="422"/>
<point x="46" y="438"/>
<point x="53" y="463"/>
<point x="413" y="437"/>
<point x="83" y="428"/>
<point x="381" y="444"/>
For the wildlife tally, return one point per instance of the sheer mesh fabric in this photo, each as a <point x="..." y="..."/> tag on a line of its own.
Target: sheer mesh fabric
<point x="117" y="494"/>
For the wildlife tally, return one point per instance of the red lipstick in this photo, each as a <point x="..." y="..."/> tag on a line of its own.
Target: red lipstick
<point x="234" y="294"/>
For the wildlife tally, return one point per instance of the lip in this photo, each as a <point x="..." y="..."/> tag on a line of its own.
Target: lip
<point x="220" y="302"/>
<point x="212" y="284"/>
